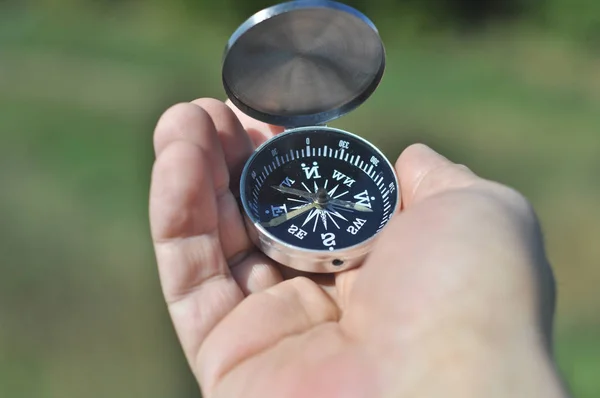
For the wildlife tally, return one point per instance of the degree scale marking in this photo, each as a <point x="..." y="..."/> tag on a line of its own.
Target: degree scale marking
<point x="369" y="172"/>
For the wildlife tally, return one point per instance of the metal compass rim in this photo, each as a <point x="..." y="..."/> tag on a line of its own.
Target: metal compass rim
<point x="294" y="251"/>
<point x="327" y="81"/>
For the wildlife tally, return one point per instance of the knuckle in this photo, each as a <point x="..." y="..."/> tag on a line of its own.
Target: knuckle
<point x="296" y="286"/>
<point x="212" y="103"/>
<point x="446" y="177"/>
<point x="302" y="284"/>
<point x="516" y="200"/>
<point x="415" y="148"/>
<point x="463" y="168"/>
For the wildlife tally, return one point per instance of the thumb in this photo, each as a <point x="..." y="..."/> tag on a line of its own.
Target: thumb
<point x="422" y="173"/>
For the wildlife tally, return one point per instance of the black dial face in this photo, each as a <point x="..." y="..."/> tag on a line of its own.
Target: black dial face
<point x="319" y="189"/>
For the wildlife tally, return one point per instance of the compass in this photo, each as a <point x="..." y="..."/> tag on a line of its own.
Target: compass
<point x="314" y="197"/>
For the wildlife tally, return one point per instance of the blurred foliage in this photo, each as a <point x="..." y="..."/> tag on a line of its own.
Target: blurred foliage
<point x="510" y="88"/>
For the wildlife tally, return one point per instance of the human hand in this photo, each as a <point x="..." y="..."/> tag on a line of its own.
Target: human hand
<point x="455" y="300"/>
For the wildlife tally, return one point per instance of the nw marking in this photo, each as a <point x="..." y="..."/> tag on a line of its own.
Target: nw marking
<point x="341" y="176"/>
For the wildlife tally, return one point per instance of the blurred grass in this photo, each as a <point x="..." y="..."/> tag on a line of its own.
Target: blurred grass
<point x="80" y="305"/>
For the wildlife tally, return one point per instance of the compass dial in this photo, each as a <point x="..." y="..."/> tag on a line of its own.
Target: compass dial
<point x="319" y="189"/>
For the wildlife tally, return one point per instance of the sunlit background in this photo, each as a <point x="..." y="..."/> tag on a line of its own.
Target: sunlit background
<point x="510" y="88"/>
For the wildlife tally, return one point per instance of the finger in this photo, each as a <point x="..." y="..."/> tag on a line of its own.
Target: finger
<point x="259" y="323"/>
<point x="253" y="273"/>
<point x="235" y="141"/>
<point x="194" y="275"/>
<point x="192" y="124"/>
<point x="422" y="172"/>
<point x="258" y="131"/>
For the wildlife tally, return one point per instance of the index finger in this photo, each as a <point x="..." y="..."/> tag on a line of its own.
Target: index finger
<point x="258" y="131"/>
<point x="194" y="274"/>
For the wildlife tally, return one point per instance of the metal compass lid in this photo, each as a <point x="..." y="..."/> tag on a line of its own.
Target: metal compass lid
<point x="303" y="63"/>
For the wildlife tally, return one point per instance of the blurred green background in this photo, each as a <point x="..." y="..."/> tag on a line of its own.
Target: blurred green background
<point x="509" y="88"/>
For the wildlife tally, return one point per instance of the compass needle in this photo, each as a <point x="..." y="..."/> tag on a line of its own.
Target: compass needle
<point x="297" y="192"/>
<point x="288" y="216"/>
<point x="298" y="200"/>
<point x="350" y="205"/>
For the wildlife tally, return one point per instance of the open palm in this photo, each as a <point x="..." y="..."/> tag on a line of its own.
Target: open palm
<point x="252" y="328"/>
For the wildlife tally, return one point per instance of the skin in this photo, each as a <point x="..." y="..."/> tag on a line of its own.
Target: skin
<point x="456" y="299"/>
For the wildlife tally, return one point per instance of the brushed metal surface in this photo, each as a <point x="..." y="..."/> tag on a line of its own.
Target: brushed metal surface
<point x="303" y="63"/>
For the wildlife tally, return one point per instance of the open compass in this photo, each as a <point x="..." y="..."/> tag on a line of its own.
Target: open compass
<point x="314" y="197"/>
